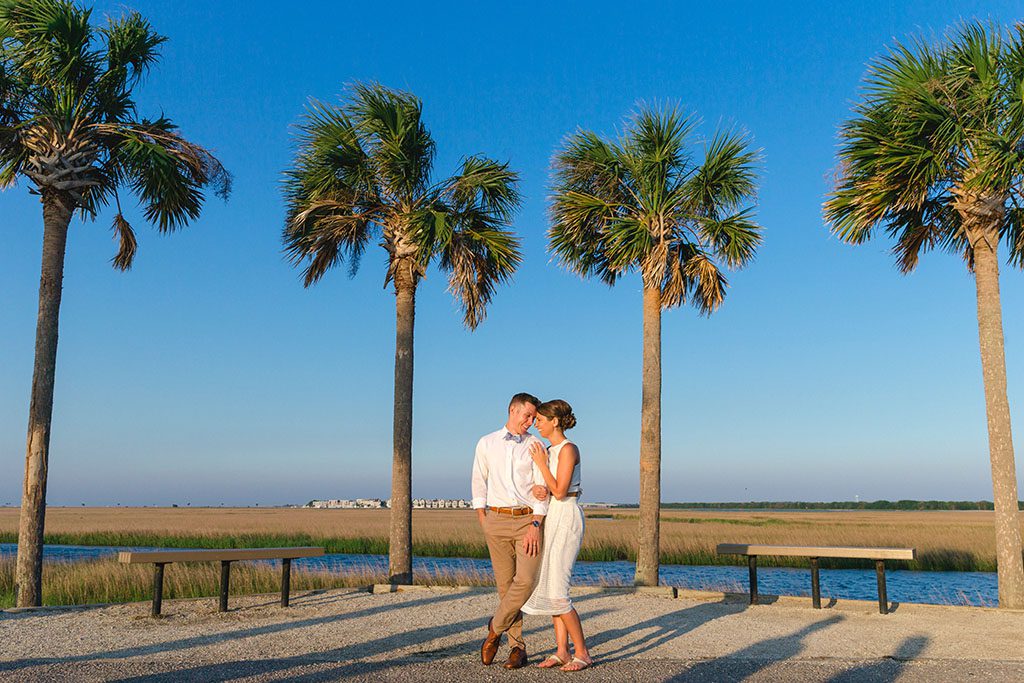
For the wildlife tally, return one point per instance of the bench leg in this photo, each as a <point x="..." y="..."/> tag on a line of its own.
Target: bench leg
<point x="815" y="584"/>
<point x="225" y="576"/>
<point x="286" y="579"/>
<point x="883" y="598"/>
<point x="752" y="565"/>
<point x="158" y="588"/>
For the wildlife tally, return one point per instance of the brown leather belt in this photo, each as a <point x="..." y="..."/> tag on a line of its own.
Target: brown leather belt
<point x="574" y="494"/>
<point x="515" y="512"/>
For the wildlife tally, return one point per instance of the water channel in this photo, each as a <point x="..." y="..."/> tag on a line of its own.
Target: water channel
<point x="957" y="588"/>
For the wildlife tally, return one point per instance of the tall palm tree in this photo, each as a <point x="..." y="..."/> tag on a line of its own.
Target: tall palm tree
<point x="362" y="172"/>
<point x="644" y="203"/>
<point x="68" y="125"/>
<point x="935" y="154"/>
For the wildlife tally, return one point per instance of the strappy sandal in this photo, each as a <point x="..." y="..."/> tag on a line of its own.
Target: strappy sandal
<point x="558" y="662"/>
<point x="581" y="664"/>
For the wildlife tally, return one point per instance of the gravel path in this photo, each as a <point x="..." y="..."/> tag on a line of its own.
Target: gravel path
<point x="435" y="634"/>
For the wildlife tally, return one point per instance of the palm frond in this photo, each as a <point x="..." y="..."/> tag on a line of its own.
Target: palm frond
<point x="68" y="121"/>
<point x="488" y="184"/>
<point x="127" y="243"/>
<point x="54" y="42"/>
<point x="132" y="46"/>
<point x="589" y="192"/>
<point x="577" y="233"/>
<point x="469" y="230"/>
<point x="480" y="255"/>
<point x="935" y="122"/>
<point x="693" y="278"/>
<point x="654" y="149"/>
<point x="166" y="172"/>
<point x="396" y="140"/>
<point x="332" y="205"/>
<point x="363" y="170"/>
<point x="1013" y="235"/>
<point x="643" y="203"/>
<point x="728" y="177"/>
<point x="734" y="238"/>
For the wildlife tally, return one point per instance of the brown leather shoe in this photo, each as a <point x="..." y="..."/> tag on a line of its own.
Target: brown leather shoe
<point x="490" y="646"/>
<point x="516" y="658"/>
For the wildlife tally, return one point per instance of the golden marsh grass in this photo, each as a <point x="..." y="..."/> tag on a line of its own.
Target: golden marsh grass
<point x="946" y="540"/>
<point x="106" y="581"/>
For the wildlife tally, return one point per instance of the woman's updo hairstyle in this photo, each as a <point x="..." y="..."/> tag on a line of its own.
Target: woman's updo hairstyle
<point x="560" y="409"/>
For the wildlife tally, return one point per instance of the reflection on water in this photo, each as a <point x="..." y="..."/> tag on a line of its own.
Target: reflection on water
<point x="959" y="588"/>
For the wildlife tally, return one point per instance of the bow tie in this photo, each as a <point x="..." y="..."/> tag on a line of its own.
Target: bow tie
<point x="509" y="436"/>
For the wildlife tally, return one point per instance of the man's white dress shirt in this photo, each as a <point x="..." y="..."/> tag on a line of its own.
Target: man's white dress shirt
<point x="504" y="473"/>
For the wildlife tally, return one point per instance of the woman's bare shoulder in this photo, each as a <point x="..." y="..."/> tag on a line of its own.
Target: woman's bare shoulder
<point x="571" y="448"/>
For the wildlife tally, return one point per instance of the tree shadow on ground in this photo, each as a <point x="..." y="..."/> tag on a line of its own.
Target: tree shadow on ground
<point x="201" y="641"/>
<point x="298" y="598"/>
<point x="351" y="657"/>
<point x="760" y="655"/>
<point x="887" y="669"/>
<point x="657" y="631"/>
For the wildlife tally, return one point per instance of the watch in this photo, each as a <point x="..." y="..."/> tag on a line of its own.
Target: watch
<point x="536" y="523"/>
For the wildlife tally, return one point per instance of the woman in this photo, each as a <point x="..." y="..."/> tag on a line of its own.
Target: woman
<point x="563" y="533"/>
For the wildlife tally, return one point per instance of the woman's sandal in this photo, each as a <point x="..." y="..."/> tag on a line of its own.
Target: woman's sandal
<point x="557" y="661"/>
<point x="581" y="664"/>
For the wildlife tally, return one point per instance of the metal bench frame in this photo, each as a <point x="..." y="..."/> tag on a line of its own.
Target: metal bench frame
<point x="160" y="558"/>
<point x="879" y="555"/>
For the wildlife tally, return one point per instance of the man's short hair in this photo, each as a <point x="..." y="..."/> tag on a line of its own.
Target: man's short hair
<point x="521" y="398"/>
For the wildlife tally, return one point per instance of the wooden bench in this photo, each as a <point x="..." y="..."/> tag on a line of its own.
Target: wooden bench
<point x="879" y="555"/>
<point x="159" y="558"/>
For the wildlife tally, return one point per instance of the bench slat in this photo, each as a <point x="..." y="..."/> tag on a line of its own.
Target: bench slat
<point x="227" y="554"/>
<point x="818" y="551"/>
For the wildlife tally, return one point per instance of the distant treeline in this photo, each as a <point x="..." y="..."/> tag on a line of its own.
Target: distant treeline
<point x="838" y="505"/>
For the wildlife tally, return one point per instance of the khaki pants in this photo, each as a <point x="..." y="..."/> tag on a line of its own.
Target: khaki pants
<point x="515" y="572"/>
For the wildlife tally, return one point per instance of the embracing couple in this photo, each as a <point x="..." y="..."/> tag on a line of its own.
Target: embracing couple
<point x="526" y="497"/>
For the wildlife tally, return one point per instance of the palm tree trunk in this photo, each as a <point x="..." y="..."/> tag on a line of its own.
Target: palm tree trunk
<point x="400" y="547"/>
<point x="1010" y="566"/>
<point x="28" y="586"/>
<point x="647" y="556"/>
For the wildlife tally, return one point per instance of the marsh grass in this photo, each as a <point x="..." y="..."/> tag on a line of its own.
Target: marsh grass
<point x="945" y="540"/>
<point x="106" y="581"/>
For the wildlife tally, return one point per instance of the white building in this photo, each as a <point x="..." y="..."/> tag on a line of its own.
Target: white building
<point x="440" y="504"/>
<point x="376" y="503"/>
<point x="346" y="504"/>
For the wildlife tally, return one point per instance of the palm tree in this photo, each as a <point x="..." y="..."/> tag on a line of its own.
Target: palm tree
<point x="68" y="125"/>
<point x="362" y="172"/>
<point x="643" y="203"/>
<point x="935" y="153"/>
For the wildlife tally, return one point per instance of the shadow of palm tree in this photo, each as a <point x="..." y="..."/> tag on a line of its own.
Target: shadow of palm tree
<point x="647" y="635"/>
<point x="200" y="641"/>
<point x="751" y="659"/>
<point x="351" y="657"/>
<point x="887" y="669"/>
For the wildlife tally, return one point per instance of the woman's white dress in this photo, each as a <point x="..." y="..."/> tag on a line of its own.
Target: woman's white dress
<point x="563" y="533"/>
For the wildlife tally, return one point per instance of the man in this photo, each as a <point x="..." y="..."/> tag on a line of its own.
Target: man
<point x="504" y="477"/>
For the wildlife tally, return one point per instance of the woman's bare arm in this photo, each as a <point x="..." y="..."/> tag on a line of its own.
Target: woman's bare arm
<point x="558" y="483"/>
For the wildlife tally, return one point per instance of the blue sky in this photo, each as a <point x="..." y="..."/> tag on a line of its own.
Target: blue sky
<point x="208" y="375"/>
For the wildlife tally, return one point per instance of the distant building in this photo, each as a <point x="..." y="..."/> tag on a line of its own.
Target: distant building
<point x="376" y="503"/>
<point x="440" y="504"/>
<point x="366" y="503"/>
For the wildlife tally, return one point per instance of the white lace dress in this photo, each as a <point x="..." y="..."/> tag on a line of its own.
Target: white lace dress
<point x="563" y="534"/>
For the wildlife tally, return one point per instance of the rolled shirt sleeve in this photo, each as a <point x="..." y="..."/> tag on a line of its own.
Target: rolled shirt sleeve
<point x="479" y="479"/>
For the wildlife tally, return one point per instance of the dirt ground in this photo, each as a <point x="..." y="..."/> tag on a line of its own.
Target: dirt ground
<point x="435" y="634"/>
